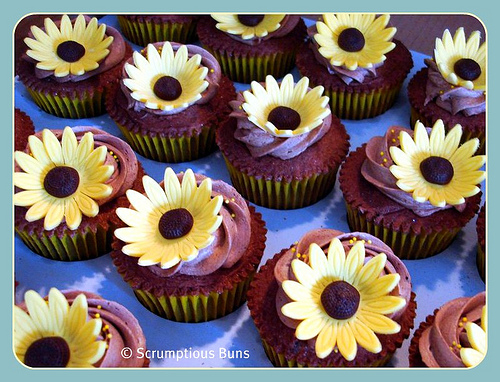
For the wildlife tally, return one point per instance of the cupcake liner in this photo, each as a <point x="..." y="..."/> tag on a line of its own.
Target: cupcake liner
<point x="172" y="149"/>
<point x="282" y="195"/>
<point x="144" y="32"/>
<point x="406" y="245"/>
<point x="481" y="262"/>
<point x="196" y="308"/>
<point x="466" y="133"/>
<point x="83" y="105"/>
<point x="248" y="68"/>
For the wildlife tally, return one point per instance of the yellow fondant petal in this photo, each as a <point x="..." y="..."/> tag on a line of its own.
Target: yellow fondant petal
<point x="310" y="327"/>
<point x="346" y="342"/>
<point x="379" y="323"/>
<point x="326" y="340"/>
<point x="365" y="337"/>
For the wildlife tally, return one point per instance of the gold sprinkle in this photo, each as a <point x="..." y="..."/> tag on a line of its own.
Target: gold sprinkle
<point x="393" y="139"/>
<point x="239" y="107"/>
<point x="293" y="249"/>
<point x="226" y="201"/>
<point x="232" y="199"/>
<point x="460" y="324"/>
<point x="369" y="241"/>
<point x="97" y="315"/>
<point x="393" y="131"/>
<point x="211" y="70"/>
<point x="381" y="153"/>
<point x="350" y="241"/>
<point x="385" y="160"/>
<point x="298" y="255"/>
<point x="454" y="343"/>
<point x="459" y="346"/>
<point x="106" y="327"/>
<point x="354" y="238"/>
<point x="99" y="307"/>
<point x="296" y="243"/>
<point x="441" y="92"/>
<point x="107" y="346"/>
<point x="464" y="319"/>
<point x="363" y="241"/>
<point x="110" y="335"/>
<point x="233" y="215"/>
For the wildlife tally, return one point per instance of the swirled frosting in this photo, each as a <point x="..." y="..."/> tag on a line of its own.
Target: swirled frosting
<point x="440" y="343"/>
<point x="115" y="55"/>
<point x="373" y="246"/>
<point x="231" y="238"/>
<point x="454" y="99"/>
<point x="213" y="78"/>
<point x="375" y="170"/>
<point x="261" y="143"/>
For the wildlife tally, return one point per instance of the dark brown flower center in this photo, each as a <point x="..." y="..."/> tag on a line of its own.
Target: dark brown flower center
<point x="340" y="300"/>
<point x="351" y="40"/>
<point x="167" y="88"/>
<point x="47" y="352"/>
<point x="437" y="170"/>
<point x="70" y="51"/>
<point x="467" y="69"/>
<point x="284" y="117"/>
<point x="175" y="223"/>
<point x="61" y="181"/>
<point x="250" y="20"/>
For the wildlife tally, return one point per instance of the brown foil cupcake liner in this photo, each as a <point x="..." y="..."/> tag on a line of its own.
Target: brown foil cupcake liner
<point x="83" y="105"/>
<point x="406" y="245"/>
<point x="72" y="246"/>
<point x="196" y="308"/>
<point x="481" y="262"/>
<point x="172" y="150"/>
<point x="282" y="195"/>
<point x="143" y="33"/>
<point x="466" y="133"/>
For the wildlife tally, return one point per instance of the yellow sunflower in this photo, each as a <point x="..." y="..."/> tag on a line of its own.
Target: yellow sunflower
<point x="286" y="109"/>
<point x="62" y="179"/>
<point x="168" y="80"/>
<point x="462" y="62"/>
<point x="54" y="334"/>
<point x="169" y="225"/>
<point x="69" y="49"/>
<point x="341" y="301"/>
<point x="354" y="39"/>
<point x="248" y="26"/>
<point x="476" y="335"/>
<point x="433" y="167"/>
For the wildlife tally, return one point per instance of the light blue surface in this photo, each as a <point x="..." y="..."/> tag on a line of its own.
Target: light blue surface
<point x="436" y="280"/>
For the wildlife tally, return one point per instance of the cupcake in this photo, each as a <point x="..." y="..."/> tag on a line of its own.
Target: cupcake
<point x="356" y="59"/>
<point x="145" y="29"/>
<point x="76" y="329"/>
<point x="23" y="128"/>
<point x="282" y="145"/>
<point x="170" y="101"/>
<point x="250" y="47"/>
<point x="70" y="65"/>
<point x="189" y="246"/>
<point x="332" y="299"/>
<point x="415" y="190"/>
<point x="452" y="86"/>
<point x="68" y="186"/>
<point x="454" y="336"/>
<point x="481" y="242"/>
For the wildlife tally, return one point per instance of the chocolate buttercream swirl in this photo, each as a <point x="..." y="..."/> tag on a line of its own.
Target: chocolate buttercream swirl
<point x="375" y="170"/>
<point x="287" y="25"/>
<point x="261" y="143"/>
<point x="120" y="155"/>
<point x="213" y="78"/>
<point x="323" y="237"/>
<point x="436" y="344"/>
<point x="114" y="57"/>
<point x="231" y="238"/>
<point x="454" y="99"/>
<point x="359" y="75"/>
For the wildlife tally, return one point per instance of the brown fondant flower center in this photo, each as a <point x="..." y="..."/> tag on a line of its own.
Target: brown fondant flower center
<point x="437" y="170"/>
<point x="250" y="20"/>
<point x="340" y="300"/>
<point x="284" y="118"/>
<point x="351" y="40"/>
<point x="47" y="352"/>
<point x="70" y="51"/>
<point x="167" y="88"/>
<point x="61" y="181"/>
<point x="175" y="223"/>
<point x="467" y="69"/>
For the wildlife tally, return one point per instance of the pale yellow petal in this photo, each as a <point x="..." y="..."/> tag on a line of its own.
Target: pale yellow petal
<point x="310" y="327"/>
<point x="346" y="342"/>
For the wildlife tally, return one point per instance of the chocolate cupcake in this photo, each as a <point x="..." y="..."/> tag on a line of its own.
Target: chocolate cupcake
<point x="23" y="128"/>
<point x="191" y="247"/>
<point x="145" y="29"/>
<point x="454" y="336"/>
<point x="250" y="47"/>
<point x="71" y="64"/>
<point x="68" y="186"/>
<point x="282" y="145"/>
<point x="452" y="86"/>
<point x="332" y="299"/>
<point x="413" y="190"/>
<point x="481" y="242"/>
<point x="170" y="101"/>
<point x="91" y="332"/>
<point x="356" y="59"/>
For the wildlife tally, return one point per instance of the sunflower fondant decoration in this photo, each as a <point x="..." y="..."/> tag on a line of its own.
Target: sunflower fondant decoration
<point x="166" y="80"/>
<point x="54" y="334"/>
<point x="462" y="62"/>
<point x="434" y="168"/>
<point x="170" y="225"/>
<point x="351" y="39"/>
<point x="248" y="26"/>
<point x="476" y="336"/>
<point x="69" y="49"/>
<point x="62" y="180"/>
<point x="342" y="302"/>
<point x="286" y="109"/>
